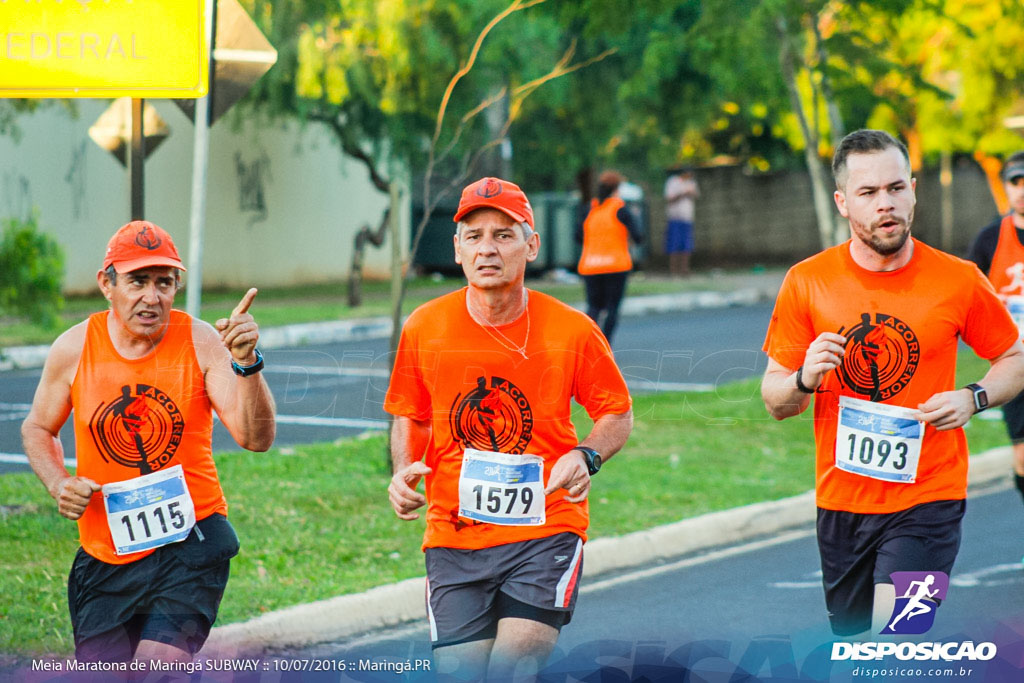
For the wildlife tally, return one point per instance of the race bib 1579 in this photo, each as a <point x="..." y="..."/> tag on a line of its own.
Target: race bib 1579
<point x="502" y="488"/>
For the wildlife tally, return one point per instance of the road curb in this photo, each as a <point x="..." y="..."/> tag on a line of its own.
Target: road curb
<point x="362" y="329"/>
<point x="346" y="616"/>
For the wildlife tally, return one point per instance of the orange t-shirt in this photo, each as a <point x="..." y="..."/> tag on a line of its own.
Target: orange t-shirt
<point x="902" y="329"/>
<point x="477" y="393"/>
<point x="1007" y="269"/>
<point x="136" y="416"/>
<point x="605" y="240"/>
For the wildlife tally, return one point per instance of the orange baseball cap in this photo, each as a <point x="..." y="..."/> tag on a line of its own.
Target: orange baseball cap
<point x="141" y="244"/>
<point x="495" y="193"/>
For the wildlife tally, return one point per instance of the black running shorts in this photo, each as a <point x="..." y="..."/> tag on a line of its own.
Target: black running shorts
<point x="860" y="550"/>
<point x="468" y="591"/>
<point x="170" y="596"/>
<point x="1013" y="416"/>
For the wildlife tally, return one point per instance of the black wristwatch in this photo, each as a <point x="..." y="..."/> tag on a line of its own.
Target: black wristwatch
<point x="980" y="397"/>
<point x="592" y="458"/>
<point x="246" y="370"/>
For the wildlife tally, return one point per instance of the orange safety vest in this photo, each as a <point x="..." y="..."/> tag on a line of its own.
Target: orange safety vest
<point x="136" y="416"/>
<point x="605" y="240"/>
<point x="1007" y="269"/>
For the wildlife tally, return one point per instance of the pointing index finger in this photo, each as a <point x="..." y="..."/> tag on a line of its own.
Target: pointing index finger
<point x="246" y="301"/>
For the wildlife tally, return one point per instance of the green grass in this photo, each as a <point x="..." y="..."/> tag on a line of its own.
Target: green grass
<point x="315" y="521"/>
<point x="314" y="303"/>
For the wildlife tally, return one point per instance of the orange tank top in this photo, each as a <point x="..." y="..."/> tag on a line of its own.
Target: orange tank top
<point x="605" y="240"/>
<point x="1007" y="269"/>
<point x="136" y="416"/>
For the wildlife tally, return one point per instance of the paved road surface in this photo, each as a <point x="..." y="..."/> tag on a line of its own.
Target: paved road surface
<point x="327" y="392"/>
<point x="761" y="605"/>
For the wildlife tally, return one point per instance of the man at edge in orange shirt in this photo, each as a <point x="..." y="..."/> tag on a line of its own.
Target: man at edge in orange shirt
<point x="870" y="328"/>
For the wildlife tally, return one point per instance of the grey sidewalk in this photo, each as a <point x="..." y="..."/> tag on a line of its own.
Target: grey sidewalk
<point x="711" y="290"/>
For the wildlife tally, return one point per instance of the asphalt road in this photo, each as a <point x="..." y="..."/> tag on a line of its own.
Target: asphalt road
<point x="327" y="392"/>
<point x="758" y="609"/>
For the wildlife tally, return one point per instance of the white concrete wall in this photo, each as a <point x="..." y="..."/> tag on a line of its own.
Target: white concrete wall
<point x="315" y="199"/>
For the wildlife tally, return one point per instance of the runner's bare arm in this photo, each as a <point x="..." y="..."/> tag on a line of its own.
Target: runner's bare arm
<point x="1004" y="380"/>
<point x="781" y="395"/>
<point x="40" y="432"/>
<point x="244" y="404"/>
<point x="409" y="440"/>
<point x="570" y="471"/>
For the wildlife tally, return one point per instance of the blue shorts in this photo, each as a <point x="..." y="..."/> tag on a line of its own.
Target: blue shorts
<point x="679" y="237"/>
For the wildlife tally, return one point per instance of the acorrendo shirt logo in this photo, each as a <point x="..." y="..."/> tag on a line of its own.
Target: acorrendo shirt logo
<point x="140" y="429"/>
<point x="882" y="355"/>
<point x="495" y="416"/>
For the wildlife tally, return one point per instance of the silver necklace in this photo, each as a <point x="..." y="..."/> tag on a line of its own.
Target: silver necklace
<point x="500" y="337"/>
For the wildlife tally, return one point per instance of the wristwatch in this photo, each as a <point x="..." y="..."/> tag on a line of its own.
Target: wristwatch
<point x="980" y="397"/>
<point x="592" y="458"/>
<point x="246" y="370"/>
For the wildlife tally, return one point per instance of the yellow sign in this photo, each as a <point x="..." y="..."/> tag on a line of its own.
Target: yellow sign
<point x="102" y="48"/>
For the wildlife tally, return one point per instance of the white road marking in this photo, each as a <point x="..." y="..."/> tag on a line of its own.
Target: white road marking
<point x="315" y="421"/>
<point x="813" y="581"/>
<point x="22" y="459"/>
<point x="648" y="385"/>
<point x="694" y="561"/>
<point x="334" y="372"/>
<point x="996" y="575"/>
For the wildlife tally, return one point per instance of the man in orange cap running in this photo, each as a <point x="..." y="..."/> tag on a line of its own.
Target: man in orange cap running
<point x="481" y="393"/>
<point x="142" y="380"/>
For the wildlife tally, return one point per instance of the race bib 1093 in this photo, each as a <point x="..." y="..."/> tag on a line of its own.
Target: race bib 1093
<point x="878" y="440"/>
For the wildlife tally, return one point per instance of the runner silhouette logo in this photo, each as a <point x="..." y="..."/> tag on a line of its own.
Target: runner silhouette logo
<point x="917" y="598"/>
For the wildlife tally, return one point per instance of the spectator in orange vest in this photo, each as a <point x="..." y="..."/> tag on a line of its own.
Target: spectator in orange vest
<point x="605" y="262"/>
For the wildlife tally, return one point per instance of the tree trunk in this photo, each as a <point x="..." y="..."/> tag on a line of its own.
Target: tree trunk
<point x="836" y="127"/>
<point x="355" y="274"/>
<point x="820" y="185"/>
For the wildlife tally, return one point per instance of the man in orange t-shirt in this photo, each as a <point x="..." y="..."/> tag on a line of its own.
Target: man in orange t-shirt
<point x="998" y="250"/>
<point x="870" y="328"/>
<point x="481" y="393"/>
<point x="142" y="380"/>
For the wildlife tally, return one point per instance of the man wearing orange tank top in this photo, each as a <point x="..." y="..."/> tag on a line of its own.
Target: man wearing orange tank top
<point x="998" y="250"/>
<point x="870" y="328"/>
<point x="481" y="392"/>
<point x="142" y="381"/>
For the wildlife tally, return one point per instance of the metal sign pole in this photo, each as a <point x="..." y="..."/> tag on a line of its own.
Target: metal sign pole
<point x="137" y="160"/>
<point x="200" y="167"/>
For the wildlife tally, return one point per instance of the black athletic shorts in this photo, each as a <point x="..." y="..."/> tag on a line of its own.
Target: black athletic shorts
<point x="1013" y="416"/>
<point x="170" y="596"/>
<point x="468" y="591"/>
<point x="860" y="550"/>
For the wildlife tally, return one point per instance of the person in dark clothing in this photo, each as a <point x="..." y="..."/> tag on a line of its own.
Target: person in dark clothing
<point x="998" y="250"/>
<point x="605" y="262"/>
